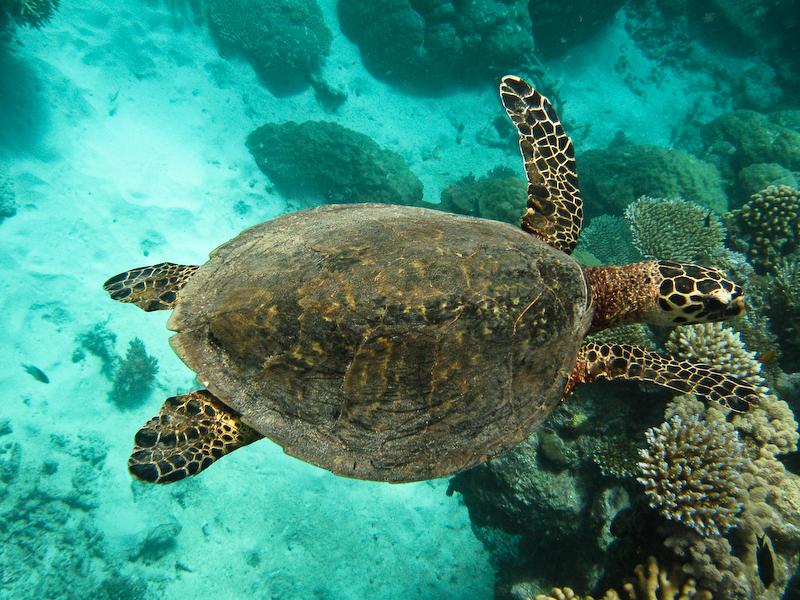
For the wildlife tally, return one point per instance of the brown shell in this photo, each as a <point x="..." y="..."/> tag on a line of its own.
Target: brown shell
<point x="385" y="342"/>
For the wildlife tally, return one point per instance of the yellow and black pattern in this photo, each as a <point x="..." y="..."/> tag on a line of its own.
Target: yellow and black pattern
<point x="555" y="208"/>
<point x="187" y="436"/>
<point x="689" y="293"/>
<point x="151" y="288"/>
<point x="623" y="361"/>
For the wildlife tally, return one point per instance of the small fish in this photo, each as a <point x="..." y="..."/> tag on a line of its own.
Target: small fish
<point x="707" y="222"/>
<point x="765" y="560"/>
<point x="36" y="373"/>
<point x="767" y="357"/>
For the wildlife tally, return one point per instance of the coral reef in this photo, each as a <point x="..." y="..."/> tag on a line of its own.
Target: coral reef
<point x="744" y="137"/>
<point x="500" y="195"/>
<point x="608" y="238"/>
<point x="31" y="13"/>
<point x="8" y="204"/>
<point x="135" y="376"/>
<point x="717" y="345"/>
<point x="784" y="293"/>
<point x="767" y="227"/>
<point x="754" y="178"/>
<point x="437" y="43"/>
<point x="557" y="28"/>
<point x="615" y="177"/>
<point x="652" y="582"/>
<point x="286" y="41"/>
<point x="691" y="472"/>
<point x="50" y="545"/>
<point x="347" y="167"/>
<point x="637" y="334"/>
<point x="675" y="230"/>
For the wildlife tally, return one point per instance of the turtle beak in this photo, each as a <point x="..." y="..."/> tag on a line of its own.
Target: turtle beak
<point x="721" y="304"/>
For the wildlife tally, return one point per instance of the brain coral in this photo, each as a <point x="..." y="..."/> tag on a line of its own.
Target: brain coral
<point x="674" y="229"/>
<point x="434" y="43"/>
<point x="347" y="166"/>
<point x="615" y="177"/>
<point x="767" y="227"/>
<point x="285" y="40"/>
<point x="691" y="472"/>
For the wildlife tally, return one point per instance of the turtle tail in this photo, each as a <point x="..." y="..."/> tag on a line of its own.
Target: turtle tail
<point x="150" y="288"/>
<point x="189" y="433"/>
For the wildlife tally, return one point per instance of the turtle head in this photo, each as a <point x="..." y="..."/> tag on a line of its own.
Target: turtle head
<point x="689" y="293"/>
<point x="662" y="293"/>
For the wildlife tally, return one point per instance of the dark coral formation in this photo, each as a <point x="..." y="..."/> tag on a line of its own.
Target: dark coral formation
<point x="615" y="177"/>
<point x="557" y="27"/>
<point x="437" y="43"/>
<point x="500" y="195"/>
<point x="135" y="376"/>
<point x="8" y="203"/>
<point x="30" y="13"/>
<point x="286" y="41"/>
<point x="346" y="166"/>
<point x="751" y="147"/>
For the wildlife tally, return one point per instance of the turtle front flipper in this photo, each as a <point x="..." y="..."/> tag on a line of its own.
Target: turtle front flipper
<point x="186" y="437"/>
<point x="623" y="361"/>
<point x="555" y="207"/>
<point x="150" y="288"/>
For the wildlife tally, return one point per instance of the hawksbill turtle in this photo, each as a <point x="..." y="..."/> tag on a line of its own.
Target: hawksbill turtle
<point x="397" y="343"/>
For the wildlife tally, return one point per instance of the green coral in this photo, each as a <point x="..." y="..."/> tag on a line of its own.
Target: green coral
<point x="767" y="227"/>
<point x="330" y="163"/>
<point x="500" y="196"/>
<point x="615" y="177"/>
<point x="31" y="13"/>
<point x="286" y="41"/>
<point x="134" y="379"/>
<point x="609" y="239"/>
<point x="674" y="230"/>
<point x="637" y="334"/>
<point x="436" y="43"/>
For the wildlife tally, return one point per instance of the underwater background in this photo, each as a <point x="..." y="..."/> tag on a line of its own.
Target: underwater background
<point x="140" y="131"/>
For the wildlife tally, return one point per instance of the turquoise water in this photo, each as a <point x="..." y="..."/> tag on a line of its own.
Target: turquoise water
<point x="133" y="133"/>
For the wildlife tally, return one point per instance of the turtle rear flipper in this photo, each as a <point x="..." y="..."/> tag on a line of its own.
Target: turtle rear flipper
<point x="188" y="434"/>
<point x="151" y="288"/>
<point x="623" y="361"/>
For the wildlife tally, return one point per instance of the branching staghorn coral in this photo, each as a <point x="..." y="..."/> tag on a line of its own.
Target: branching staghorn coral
<point x="652" y="582"/>
<point x="719" y="346"/>
<point x="767" y="227"/>
<point x="135" y="376"/>
<point x="33" y="13"/>
<point x="691" y="472"/>
<point x="674" y="229"/>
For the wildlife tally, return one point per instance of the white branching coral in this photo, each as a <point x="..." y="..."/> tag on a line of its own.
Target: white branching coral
<point x="719" y="346"/>
<point x="692" y="473"/>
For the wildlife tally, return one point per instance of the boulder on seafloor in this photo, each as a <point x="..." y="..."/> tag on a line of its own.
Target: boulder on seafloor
<point x="347" y="166"/>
